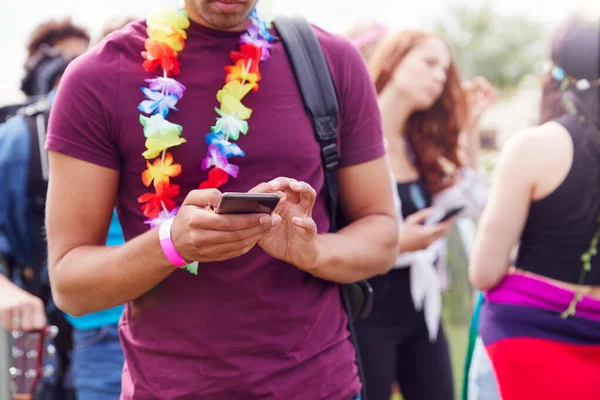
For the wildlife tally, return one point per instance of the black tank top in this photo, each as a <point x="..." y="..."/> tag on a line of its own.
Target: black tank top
<point x="414" y="196"/>
<point x="560" y="227"/>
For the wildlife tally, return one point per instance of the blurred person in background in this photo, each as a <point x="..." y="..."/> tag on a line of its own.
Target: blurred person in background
<point x="50" y="48"/>
<point x="427" y="114"/>
<point x="540" y="321"/>
<point x="25" y="300"/>
<point x="366" y="36"/>
<point x="90" y="355"/>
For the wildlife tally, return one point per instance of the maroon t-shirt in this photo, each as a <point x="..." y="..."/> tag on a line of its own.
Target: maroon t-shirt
<point x="253" y="327"/>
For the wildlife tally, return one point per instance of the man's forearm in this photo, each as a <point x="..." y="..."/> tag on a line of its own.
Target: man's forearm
<point x="93" y="278"/>
<point x="363" y="249"/>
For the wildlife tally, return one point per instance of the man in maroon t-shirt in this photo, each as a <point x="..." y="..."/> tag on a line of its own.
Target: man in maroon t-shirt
<point x="262" y="319"/>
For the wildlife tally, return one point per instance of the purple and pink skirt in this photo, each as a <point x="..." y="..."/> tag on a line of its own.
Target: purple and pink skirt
<point x="535" y="352"/>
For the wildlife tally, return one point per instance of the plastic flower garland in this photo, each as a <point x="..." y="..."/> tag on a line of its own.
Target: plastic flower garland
<point x="166" y="31"/>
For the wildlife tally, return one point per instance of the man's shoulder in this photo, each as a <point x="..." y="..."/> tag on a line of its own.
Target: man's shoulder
<point x="106" y="57"/>
<point x="333" y="44"/>
<point x="344" y="59"/>
<point x="125" y="39"/>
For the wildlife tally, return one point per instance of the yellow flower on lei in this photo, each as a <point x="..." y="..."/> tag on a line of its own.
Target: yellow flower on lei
<point x="155" y="144"/>
<point x="235" y="89"/>
<point x="232" y="106"/>
<point x="169" y="17"/>
<point x="168" y="35"/>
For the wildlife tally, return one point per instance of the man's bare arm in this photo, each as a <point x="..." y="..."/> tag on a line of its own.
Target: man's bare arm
<point x="367" y="246"/>
<point x="86" y="276"/>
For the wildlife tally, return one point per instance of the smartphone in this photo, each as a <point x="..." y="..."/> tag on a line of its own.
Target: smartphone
<point x="443" y="215"/>
<point x="247" y="203"/>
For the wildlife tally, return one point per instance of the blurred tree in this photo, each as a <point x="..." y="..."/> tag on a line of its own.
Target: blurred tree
<point x="503" y="48"/>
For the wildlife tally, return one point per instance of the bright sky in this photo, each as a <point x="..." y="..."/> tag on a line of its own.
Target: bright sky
<point x="17" y="22"/>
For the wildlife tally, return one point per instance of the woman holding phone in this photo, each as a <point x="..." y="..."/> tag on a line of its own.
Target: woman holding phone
<point x="429" y="121"/>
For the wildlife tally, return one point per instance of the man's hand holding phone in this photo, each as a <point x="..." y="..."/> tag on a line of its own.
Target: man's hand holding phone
<point x="295" y="239"/>
<point x="199" y="234"/>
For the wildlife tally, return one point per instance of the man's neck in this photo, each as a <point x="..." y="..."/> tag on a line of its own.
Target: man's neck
<point x="194" y="16"/>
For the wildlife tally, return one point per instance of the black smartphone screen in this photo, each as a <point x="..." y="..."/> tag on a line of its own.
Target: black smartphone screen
<point x="438" y="217"/>
<point x="247" y="203"/>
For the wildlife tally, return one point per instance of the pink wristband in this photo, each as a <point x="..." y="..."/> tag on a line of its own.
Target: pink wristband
<point x="166" y="243"/>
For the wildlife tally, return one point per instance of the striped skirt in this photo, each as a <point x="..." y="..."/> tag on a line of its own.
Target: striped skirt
<point x="535" y="352"/>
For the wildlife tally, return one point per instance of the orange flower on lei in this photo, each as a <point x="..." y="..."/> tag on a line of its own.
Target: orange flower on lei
<point x="160" y="172"/>
<point x="160" y="53"/>
<point x="240" y="72"/>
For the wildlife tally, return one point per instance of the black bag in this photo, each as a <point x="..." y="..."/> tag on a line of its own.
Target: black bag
<point x="318" y="93"/>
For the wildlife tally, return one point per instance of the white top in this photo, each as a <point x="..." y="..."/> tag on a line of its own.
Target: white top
<point x="427" y="281"/>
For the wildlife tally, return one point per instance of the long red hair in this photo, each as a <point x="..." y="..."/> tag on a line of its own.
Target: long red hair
<point x="432" y="133"/>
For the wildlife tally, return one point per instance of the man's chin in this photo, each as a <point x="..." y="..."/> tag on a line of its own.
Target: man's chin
<point x="221" y="20"/>
<point x="226" y="24"/>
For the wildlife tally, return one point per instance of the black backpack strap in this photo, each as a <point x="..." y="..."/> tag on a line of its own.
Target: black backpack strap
<point x="320" y="100"/>
<point x="36" y="115"/>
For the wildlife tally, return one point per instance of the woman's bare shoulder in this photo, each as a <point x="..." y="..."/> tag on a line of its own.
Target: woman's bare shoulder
<point x="543" y="142"/>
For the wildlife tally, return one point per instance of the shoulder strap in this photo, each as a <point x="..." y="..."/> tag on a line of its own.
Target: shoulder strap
<point x="320" y="100"/>
<point x="318" y="93"/>
<point x="36" y="116"/>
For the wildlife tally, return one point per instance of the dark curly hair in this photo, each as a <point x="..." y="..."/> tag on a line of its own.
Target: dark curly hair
<point x="52" y="32"/>
<point x="44" y="64"/>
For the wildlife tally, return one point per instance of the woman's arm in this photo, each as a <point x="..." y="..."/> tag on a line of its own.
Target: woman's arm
<point x="505" y="214"/>
<point x="480" y="96"/>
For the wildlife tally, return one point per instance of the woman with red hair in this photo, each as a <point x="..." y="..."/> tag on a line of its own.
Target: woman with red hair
<point x="429" y="120"/>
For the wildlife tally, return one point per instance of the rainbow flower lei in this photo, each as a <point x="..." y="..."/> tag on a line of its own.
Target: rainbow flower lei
<point x="166" y="31"/>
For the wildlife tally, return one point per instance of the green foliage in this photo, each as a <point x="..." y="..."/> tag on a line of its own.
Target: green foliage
<point x="586" y="260"/>
<point x="503" y="48"/>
